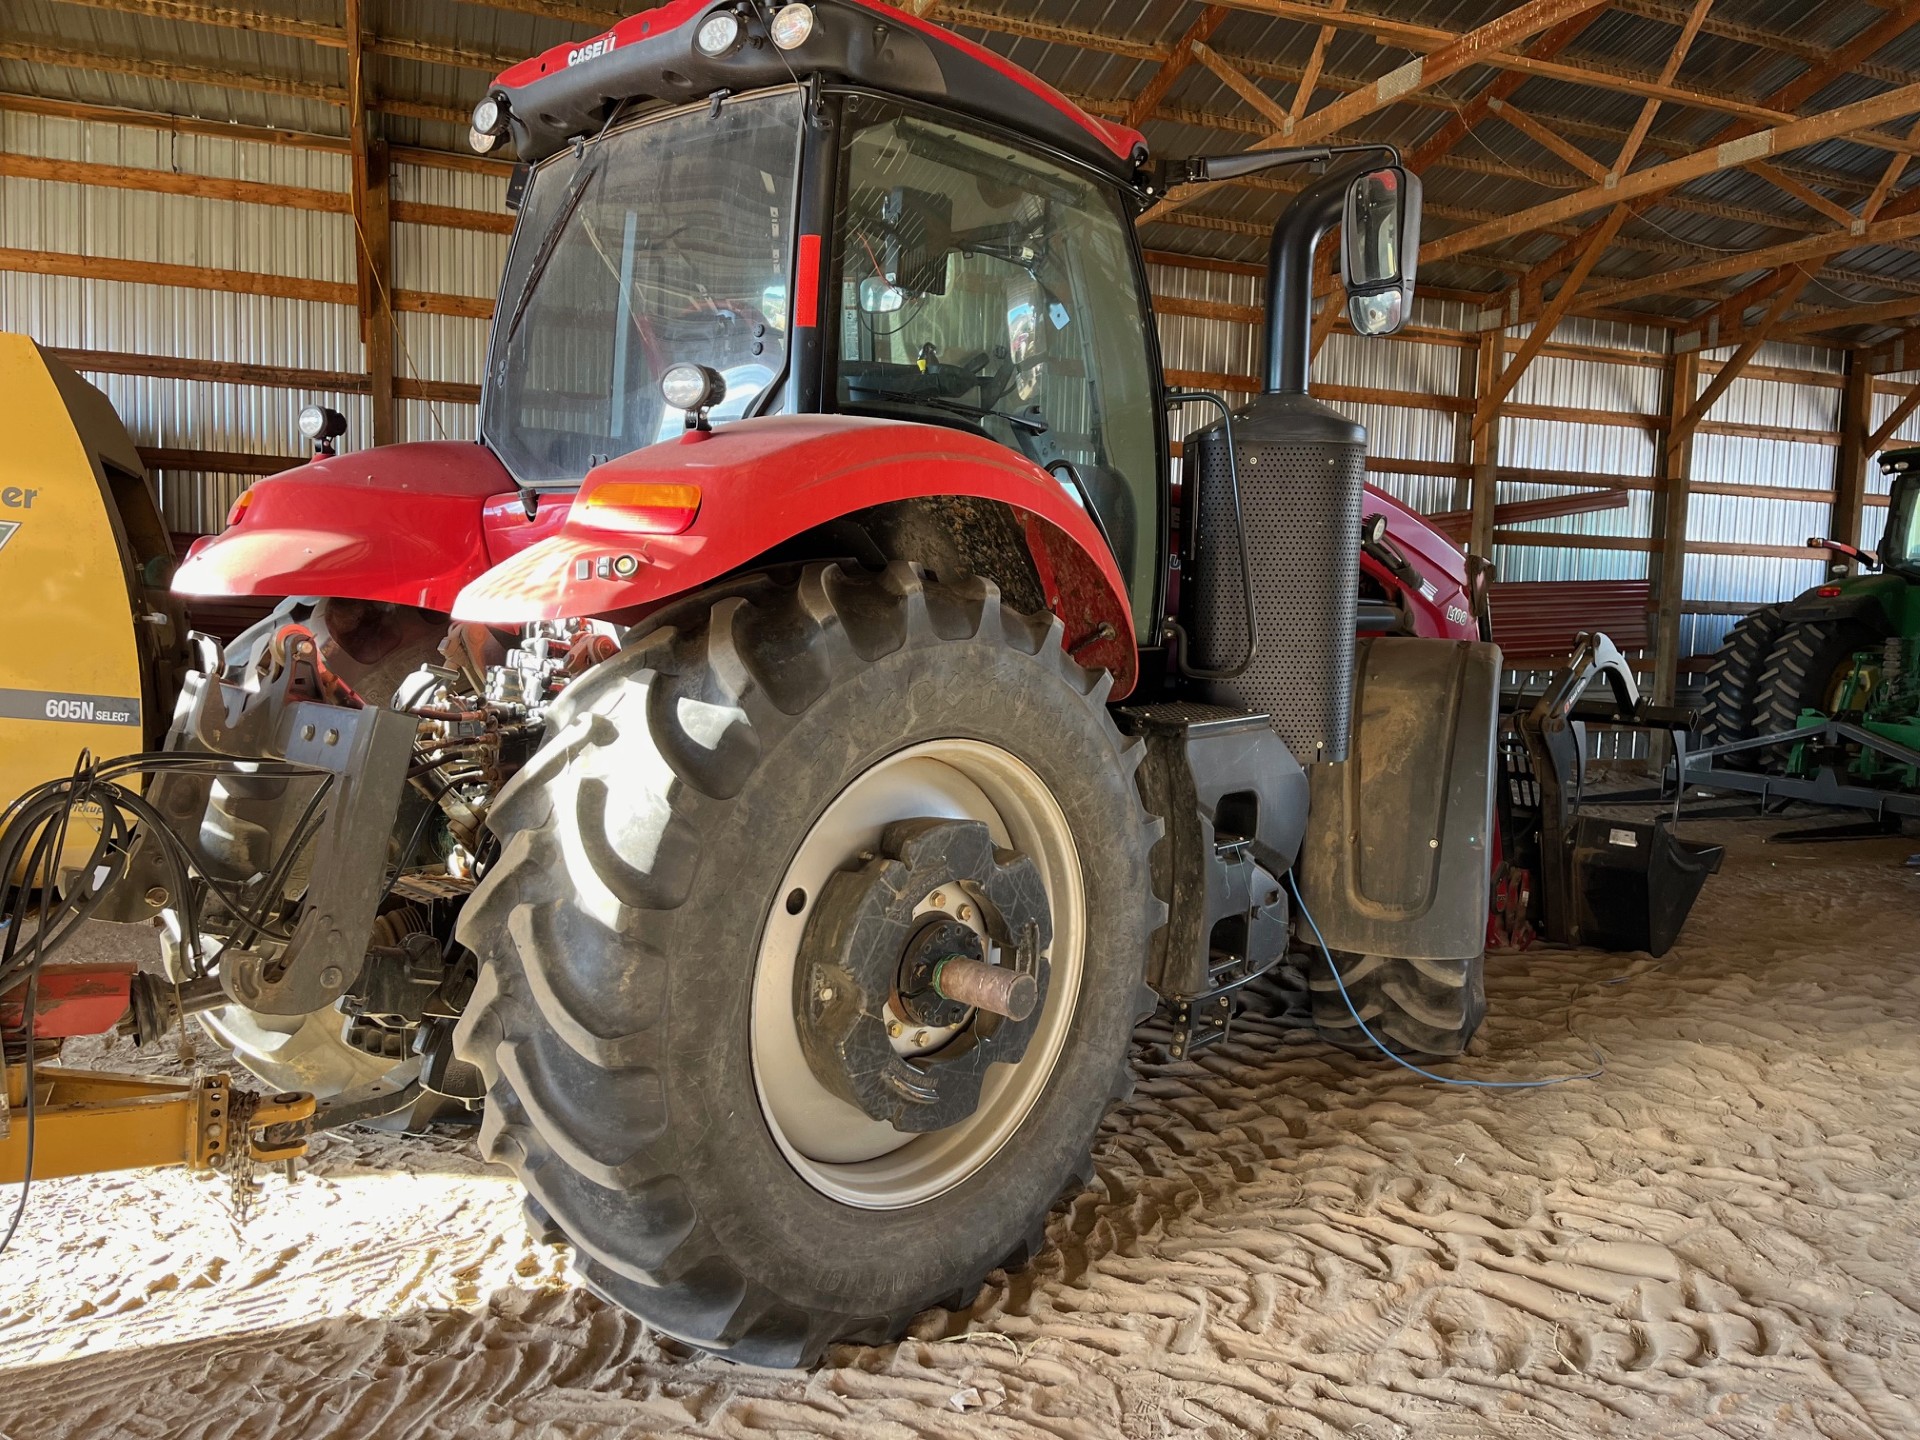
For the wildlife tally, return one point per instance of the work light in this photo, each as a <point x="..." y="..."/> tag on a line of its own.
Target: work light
<point x="718" y="34"/>
<point x="791" y="26"/>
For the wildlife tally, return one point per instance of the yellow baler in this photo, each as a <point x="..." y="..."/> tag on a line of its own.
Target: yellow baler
<point x="94" y="645"/>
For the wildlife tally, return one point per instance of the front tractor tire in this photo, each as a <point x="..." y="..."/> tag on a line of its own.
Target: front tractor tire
<point x="1422" y="1010"/>
<point x="691" y="960"/>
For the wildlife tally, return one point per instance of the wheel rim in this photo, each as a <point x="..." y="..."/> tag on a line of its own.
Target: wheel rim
<point x="834" y="1146"/>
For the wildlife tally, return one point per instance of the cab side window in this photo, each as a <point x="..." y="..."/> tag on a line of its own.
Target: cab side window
<point x="986" y="288"/>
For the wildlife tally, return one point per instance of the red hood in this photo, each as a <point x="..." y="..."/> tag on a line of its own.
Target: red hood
<point x="400" y="524"/>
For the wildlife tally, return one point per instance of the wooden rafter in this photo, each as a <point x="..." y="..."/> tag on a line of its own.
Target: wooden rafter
<point x="1175" y="65"/>
<point x="1512" y="28"/>
<point x="1597" y="242"/>
<point x="1847" y="120"/>
<point x="1814" y="247"/>
<point x="1805" y="194"/>
<point x="1684" y="427"/>
<point x="1544" y="137"/>
<point x="1310" y="77"/>
<point x="1272" y="110"/>
<point x="1823" y="70"/>
<point x="1897" y="417"/>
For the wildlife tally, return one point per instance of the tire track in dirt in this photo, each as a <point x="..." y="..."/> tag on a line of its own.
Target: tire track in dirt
<point x="1717" y="1238"/>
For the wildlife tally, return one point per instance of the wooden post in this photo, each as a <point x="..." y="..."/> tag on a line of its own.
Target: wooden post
<point x="1463" y="428"/>
<point x="373" y="229"/>
<point x="377" y="227"/>
<point x="1852" y="458"/>
<point x="1485" y="452"/>
<point x="1672" y="480"/>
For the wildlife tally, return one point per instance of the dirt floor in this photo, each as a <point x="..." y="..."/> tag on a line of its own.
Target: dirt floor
<point x="1716" y="1237"/>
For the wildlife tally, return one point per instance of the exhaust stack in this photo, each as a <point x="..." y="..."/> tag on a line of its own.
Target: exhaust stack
<point x="1301" y="469"/>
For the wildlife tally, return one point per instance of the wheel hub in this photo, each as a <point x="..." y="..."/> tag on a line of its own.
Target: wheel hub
<point x="896" y="1000"/>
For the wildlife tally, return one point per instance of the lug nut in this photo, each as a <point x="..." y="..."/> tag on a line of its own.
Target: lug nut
<point x="938" y="899"/>
<point x="825" y="994"/>
<point x="893" y="1028"/>
<point x="919" y="1037"/>
<point x="966" y="912"/>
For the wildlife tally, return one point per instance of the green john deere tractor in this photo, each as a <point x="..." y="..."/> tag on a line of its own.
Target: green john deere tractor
<point x="1847" y="650"/>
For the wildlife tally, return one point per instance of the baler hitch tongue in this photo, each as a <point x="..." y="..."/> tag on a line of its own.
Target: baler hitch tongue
<point x="89" y="1121"/>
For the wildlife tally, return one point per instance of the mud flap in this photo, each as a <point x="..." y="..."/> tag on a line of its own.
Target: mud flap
<point x="1396" y="860"/>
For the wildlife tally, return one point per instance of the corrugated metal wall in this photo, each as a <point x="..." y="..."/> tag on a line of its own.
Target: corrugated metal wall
<point x="1429" y="428"/>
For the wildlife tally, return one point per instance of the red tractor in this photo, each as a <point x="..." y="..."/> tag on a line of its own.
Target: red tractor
<point x="774" y="770"/>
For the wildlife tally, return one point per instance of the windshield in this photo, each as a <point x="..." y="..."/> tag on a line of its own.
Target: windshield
<point x="663" y="243"/>
<point x="1900" y="545"/>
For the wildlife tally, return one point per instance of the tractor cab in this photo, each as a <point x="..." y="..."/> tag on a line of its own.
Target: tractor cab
<point x="838" y="209"/>
<point x="962" y="280"/>
<point x="1899" y="551"/>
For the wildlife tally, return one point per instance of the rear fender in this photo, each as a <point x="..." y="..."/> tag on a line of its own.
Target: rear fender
<point x="764" y="484"/>
<point x="1876" y="597"/>
<point x="1396" y="859"/>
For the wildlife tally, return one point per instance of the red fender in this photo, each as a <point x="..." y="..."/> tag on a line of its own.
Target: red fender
<point x="403" y="524"/>
<point x="765" y="481"/>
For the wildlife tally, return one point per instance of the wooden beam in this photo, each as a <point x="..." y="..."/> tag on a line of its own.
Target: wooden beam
<point x="175" y="124"/>
<point x="1898" y="416"/>
<point x="1805" y="194"/>
<point x="217" y="462"/>
<point x="1813" y="247"/>
<point x="171" y="182"/>
<point x="142" y="67"/>
<point x="1726" y="322"/>
<point x="1544" y="47"/>
<point x="1822" y="70"/>
<point x="216" y="372"/>
<point x="1462" y="51"/>
<point x="1270" y="109"/>
<point x="1494" y="395"/>
<point x="190" y="277"/>
<point x="1847" y="120"/>
<point x="1856" y="451"/>
<point x="1881" y="314"/>
<point x="1175" y="65"/>
<point x="1735" y="363"/>
<point x="1484" y="449"/>
<point x="268" y="377"/>
<point x="1542" y="136"/>
<point x="1310" y="77"/>
<point x="373" y="231"/>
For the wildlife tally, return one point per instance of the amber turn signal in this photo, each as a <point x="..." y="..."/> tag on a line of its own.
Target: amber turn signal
<point x="643" y="506"/>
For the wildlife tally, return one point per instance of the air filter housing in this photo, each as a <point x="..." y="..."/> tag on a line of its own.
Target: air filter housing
<point x="1302" y="473"/>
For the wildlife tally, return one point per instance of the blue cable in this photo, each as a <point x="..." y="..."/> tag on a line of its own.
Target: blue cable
<point x="1405" y="1064"/>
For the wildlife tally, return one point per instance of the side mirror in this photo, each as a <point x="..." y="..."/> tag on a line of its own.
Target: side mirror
<point x="1380" y="248"/>
<point x="908" y="234"/>
<point x="879" y="296"/>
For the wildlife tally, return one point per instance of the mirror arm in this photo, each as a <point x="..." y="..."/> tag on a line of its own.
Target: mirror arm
<point x="1209" y="169"/>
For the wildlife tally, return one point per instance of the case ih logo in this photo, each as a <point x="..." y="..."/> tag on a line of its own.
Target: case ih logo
<point x="592" y="50"/>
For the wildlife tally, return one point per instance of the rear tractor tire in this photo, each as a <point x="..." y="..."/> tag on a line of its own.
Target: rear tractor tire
<point x="1418" y="1009"/>
<point x="692" y="964"/>
<point x="1805" y="670"/>
<point x="1733" y="684"/>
